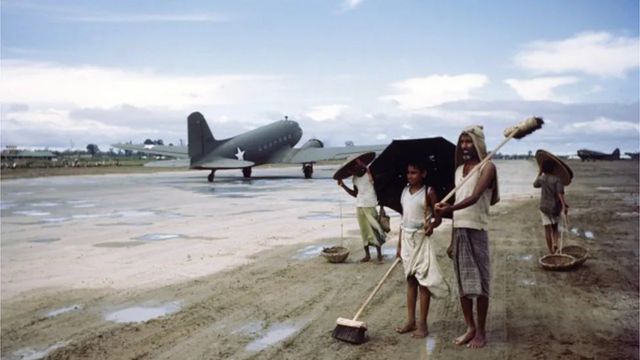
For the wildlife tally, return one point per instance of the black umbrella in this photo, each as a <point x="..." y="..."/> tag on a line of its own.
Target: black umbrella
<point x="389" y="169"/>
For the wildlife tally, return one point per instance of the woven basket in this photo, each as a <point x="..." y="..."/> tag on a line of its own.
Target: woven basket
<point x="578" y="252"/>
<point x="335" y="254"/>
<point x="557" y="262"/>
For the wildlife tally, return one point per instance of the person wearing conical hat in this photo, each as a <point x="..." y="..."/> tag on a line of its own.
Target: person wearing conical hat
<point x="552" y="202"/>
<point x="469" y="246"/>
<point x="366" y="201"/>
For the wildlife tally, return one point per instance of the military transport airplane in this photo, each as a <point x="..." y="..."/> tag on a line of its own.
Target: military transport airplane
<point x="585" y="154"/>
<point x="270" y="144"/>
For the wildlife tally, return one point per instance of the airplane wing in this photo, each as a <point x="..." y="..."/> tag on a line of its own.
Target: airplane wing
<point x="175" y="151"/>
<point x="223" y="163"/>
<point x="314" y="154"/>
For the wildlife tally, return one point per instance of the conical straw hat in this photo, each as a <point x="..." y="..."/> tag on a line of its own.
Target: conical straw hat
<point x="347" y="169"/>
<point x="561" y="170"/>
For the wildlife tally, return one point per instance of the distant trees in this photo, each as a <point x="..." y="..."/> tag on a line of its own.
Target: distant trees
<point x="153" y="142"/>
<point x="92" y="149"/>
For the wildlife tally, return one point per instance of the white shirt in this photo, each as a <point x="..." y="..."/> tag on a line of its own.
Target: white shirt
<point x="475" y="216"/>
<point x="366" y="193"/>
<point x="413" y="208"/>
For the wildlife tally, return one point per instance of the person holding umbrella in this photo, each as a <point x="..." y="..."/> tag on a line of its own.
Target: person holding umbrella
<point x="366" y="202"/>
<point x="469" y="246"/>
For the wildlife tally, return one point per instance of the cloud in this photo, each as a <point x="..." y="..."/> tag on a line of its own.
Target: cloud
<point x="604" y="125"/>
<point x="593" y="53"/>
<point x="326" y="112"/>
<point x="348" y="5"/>
<point x="93" y="86"/>
<point x="416" y="94"/>
<point x="146" y="18"/>
<point x="540" y="88"/>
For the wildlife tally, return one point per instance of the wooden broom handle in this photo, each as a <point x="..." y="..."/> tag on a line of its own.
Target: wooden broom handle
<point x="366" y="302"/>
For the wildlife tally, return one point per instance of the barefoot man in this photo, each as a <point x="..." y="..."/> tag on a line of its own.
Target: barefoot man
<point x="469" y="246"/>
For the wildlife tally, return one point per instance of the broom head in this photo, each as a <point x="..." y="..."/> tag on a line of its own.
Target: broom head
<point x="524" y="128"/>
<point x="351" y="331"/>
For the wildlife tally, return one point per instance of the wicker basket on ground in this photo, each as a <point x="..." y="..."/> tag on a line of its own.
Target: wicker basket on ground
<point x="578" y="252"/>
<point x="557" y="262"/>
<point x="335" y="254"/>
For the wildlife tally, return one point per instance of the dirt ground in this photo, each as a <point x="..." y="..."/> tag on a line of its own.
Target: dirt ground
<point x="591" y="312"/>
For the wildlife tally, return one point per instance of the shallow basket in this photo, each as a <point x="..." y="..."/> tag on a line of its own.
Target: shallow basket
<point x="335" y="254"/>
<point x="578" y="252"/>
<point x="557" y="262"/>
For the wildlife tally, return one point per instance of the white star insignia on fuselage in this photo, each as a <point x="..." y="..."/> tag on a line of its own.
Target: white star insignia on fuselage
<point x="240" y="154"/>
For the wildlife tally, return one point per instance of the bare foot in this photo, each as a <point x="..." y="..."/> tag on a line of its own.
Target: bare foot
<point x="466" y="337"/>
<point x="408" y="327"/>
<point x="380" y="259"/>
<point x="421" y="332"/>
<point x="365" y="259"/>
<point x="477" y="342"/>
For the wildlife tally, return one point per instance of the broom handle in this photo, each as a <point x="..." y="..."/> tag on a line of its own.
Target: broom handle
<point x="396" y="262"/>
<point x="478" y="167"/>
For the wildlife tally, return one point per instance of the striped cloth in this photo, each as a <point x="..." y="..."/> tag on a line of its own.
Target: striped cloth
<point x="370" y="229"/>
<point x="471" y="262"/>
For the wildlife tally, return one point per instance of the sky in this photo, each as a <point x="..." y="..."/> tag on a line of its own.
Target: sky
<point x="367" y="71"/>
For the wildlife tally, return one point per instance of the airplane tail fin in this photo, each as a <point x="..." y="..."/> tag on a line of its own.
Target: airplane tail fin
<point x="616" y="153"/>
<point x="201" y="140"/>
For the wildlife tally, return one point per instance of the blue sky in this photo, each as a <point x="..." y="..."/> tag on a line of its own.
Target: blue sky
<point x="78" y="72"/>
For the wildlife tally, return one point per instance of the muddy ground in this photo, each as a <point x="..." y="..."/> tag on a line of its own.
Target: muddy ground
<point x="285" y="308"/>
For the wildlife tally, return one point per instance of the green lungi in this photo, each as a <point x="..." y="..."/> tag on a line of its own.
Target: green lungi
<point x="370" y="229"/>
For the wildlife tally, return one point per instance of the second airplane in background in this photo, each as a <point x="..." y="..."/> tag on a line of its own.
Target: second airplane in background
<point x="269" y="144"/>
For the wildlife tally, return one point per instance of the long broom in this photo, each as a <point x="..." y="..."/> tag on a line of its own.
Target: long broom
<point x="354" y="331"/>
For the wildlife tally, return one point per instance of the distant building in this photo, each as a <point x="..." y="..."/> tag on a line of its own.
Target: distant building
<point x="13" y="157"/>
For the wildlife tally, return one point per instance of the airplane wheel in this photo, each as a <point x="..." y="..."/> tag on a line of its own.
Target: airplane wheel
<point x="210" y="177"/>
<point x="246" y="172"/>
<point x="307" y="169"/>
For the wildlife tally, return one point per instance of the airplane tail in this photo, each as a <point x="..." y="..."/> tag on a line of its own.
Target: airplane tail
<point x="201" y="140"/>
<point x="616" y="153"/>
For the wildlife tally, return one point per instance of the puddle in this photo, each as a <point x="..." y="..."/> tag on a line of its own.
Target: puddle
<point x="56" y="219"/>
<point x="33" y="354"/>
<point x="32" y="213"/>
<point x="588" y="235"/>
<point x="119" y="244"/>
<point x="158" y="237"/>
<point x="142" y="313"/>
<point x="274" y="334"/>
<point x="317" y="200"/>
<point x="63" y="310"/>
<point x="606" y="188"/>
<point x="250" y="212"/>
<point x="83" y="206"/>
<point x="237" y="196"/>
<point x="310" y="251"/>
<point x="44" y="240"/>
<point x="319" y="217"/>
<point x="134" y="213"/>
<point x="430" y="344"/>
<point x="22" y="193"/>
<point x="526" y="257"/>
<point x="528" y="282"/>
<point x="387" y="251"/>
<point x="44" y="204"/>
<point x="575" y="231"/>
<point x="89" y="216"/>
<point x="126" y="224"/>
<point x="4" y="205"/>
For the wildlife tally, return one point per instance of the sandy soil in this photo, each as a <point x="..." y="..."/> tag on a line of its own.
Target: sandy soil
<point x="280" y="307"/>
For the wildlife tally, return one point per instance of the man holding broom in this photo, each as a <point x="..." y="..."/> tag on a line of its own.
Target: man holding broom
<point x="469" y="246"/>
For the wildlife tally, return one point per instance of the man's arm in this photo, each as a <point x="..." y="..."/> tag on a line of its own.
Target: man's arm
<point x="436" y="219"/>
<point x="349" y="191"/>
<point x="487" y="176"/>
<point x="538" y="182"/>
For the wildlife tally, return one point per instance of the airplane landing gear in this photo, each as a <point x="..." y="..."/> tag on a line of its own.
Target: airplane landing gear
<point x="210" y="177"/>
<point x="246" y="172"/>
<point x="307" y="169"/>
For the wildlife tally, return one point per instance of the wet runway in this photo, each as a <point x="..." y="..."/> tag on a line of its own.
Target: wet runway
<point x="150" y="229"/>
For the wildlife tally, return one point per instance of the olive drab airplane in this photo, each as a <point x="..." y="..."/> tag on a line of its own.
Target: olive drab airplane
<point x="270" y="144"/>
<point x="586" y="155"/>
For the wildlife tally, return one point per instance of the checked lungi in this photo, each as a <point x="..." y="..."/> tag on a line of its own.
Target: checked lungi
<point x="471" y="262"/>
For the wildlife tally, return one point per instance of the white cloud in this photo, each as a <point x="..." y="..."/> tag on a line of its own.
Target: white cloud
<point x="381" y="137"/>
<point x="326" y="112"/>
<point x="146" y="18"/>
<point x="540" y="88"/>
<point x="416" y="94"/>
<point x="603" y="125"/>
<point x="92" y="86"/>
<point x="348" y="5"/>
<point x="593" y="53"/>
